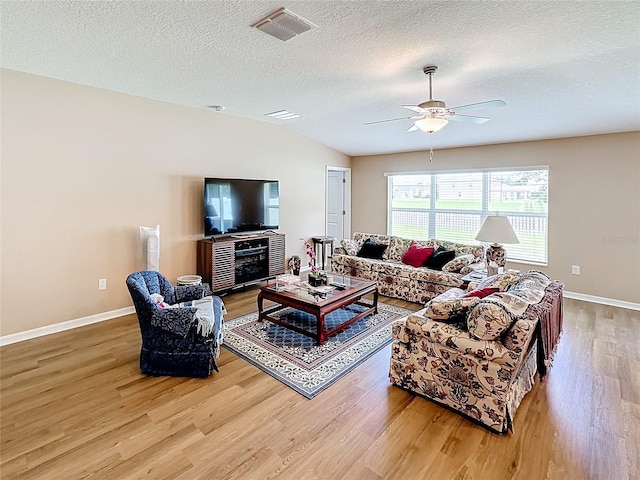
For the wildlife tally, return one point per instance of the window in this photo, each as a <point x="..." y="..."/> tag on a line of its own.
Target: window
<point x="271" y="202"/>
<point x="452" y="206"/>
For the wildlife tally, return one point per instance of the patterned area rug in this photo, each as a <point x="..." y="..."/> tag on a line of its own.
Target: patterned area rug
<point x="296" y="360"/>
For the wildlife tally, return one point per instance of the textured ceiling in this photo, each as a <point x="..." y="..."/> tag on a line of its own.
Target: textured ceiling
<point x="564" y="68"/>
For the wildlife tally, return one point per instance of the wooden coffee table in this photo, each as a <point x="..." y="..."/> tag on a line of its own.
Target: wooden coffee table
<point x="319" y="305"/>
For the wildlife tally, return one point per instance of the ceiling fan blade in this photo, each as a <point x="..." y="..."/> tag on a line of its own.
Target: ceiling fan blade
<point x="391" y="120"/>
<point x="413" y="128"/>
<point x="479" y="106"/>
<point x="468" y="118"/>
<point x="414" y="108"/>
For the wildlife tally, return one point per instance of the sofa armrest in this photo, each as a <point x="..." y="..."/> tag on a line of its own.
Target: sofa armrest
<point x="418" y="327"/>
<point x="519" y="336"/>
<point x="398" y="330"/>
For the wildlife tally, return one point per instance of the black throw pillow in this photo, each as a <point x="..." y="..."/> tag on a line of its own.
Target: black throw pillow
<point x="440" y="258"/>
<point x="371" y="249"/>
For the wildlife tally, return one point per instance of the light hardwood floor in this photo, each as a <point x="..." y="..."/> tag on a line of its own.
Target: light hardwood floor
<point x="74" y="405"/>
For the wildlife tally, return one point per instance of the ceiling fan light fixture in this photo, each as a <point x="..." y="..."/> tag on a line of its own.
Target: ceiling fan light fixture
<point x="431" y="124"/>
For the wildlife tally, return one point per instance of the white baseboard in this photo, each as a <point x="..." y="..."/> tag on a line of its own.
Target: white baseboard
<point x="604" y="301"/>
<point x="61" y="327"/>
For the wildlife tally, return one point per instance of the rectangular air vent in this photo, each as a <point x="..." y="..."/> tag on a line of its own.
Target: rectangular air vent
<point x="283" y="115"/>
<point x="284" y="25"/>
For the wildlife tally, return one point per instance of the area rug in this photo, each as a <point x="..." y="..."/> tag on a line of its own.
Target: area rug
<point x="296" y="360"/>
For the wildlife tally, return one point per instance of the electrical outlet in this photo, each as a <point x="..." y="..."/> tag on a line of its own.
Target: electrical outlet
<point x="575" y="269"/>
<point x="102" y="284"/>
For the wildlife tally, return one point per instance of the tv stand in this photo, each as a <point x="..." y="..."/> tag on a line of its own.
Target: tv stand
<point x="229" y="262"/>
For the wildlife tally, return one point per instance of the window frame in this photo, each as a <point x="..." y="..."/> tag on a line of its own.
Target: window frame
<point x="535" y="254"/>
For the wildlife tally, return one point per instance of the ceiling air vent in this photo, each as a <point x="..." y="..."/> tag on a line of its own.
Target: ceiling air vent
<point x="283" y="115"/>
<point x="284" y="25"/>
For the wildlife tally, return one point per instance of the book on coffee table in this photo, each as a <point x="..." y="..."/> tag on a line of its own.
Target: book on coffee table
<point x="319" y="289"/>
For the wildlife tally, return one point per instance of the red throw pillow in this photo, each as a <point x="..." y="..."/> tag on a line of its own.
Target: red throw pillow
<point x="417" y="254"/>
<point x="481" y="292"/>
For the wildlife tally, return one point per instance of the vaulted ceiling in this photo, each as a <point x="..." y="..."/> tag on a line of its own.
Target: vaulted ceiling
<point x="564" y="68"/>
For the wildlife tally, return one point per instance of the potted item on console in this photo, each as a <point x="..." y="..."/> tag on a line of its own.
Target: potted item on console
<point x="318" y="278"/>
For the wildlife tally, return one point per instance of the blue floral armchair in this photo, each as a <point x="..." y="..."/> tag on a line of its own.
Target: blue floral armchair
<point x="171" y="342"/>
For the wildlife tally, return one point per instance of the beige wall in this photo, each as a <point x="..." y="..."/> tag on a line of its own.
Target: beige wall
<point x="594" y="203"/>
<point x="83" y="168"/>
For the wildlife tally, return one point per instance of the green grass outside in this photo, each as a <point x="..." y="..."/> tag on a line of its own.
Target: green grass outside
<point x="469" y="204"/>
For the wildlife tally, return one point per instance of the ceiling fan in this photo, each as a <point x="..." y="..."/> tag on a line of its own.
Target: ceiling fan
<point x="433" y="114"/>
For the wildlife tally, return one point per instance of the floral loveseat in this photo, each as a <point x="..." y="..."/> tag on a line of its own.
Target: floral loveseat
<point x="399" y="280"/>
<point x="479" y="356"/>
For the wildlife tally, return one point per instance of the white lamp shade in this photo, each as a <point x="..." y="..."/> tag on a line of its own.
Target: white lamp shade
<point x="431" y="124"/>
<point x="497" y="229"/>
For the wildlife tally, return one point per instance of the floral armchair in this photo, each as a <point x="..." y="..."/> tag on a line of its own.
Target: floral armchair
<point x="172" y="339"/>
<point x="462" y="361"/>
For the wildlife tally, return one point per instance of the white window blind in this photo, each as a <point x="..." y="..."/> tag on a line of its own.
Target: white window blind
<point x="452" y="206"/>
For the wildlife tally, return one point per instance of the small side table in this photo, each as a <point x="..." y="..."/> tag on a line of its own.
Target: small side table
<point x="320" y="243"/>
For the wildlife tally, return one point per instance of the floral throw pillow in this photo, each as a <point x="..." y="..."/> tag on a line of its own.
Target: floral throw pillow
<point x="397" y="248"/>
<point x="457" y="263"/>
<point x="450" y="306"/>
<point x="351" y="247"/>
<point x="487" y="320"/>
<point x="450" y="311"/>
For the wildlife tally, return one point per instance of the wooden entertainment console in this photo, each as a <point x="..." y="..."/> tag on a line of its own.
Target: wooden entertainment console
<point x="229" y="262"/>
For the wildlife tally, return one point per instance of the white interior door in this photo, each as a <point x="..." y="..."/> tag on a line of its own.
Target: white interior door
<point x="338" y="202"/>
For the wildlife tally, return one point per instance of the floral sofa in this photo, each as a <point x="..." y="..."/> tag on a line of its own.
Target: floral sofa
<point x="397" y="279"/>
<point x="479" y="356"/>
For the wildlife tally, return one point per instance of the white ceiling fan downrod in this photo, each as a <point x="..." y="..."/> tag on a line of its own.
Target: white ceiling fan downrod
<point x="430" y="148"/>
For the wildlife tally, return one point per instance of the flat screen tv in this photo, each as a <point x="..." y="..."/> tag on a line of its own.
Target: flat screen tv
<point x="241" y="206"/>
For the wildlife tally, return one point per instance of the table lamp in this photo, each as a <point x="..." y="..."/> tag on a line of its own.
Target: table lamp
<point x="496" y="229"/>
